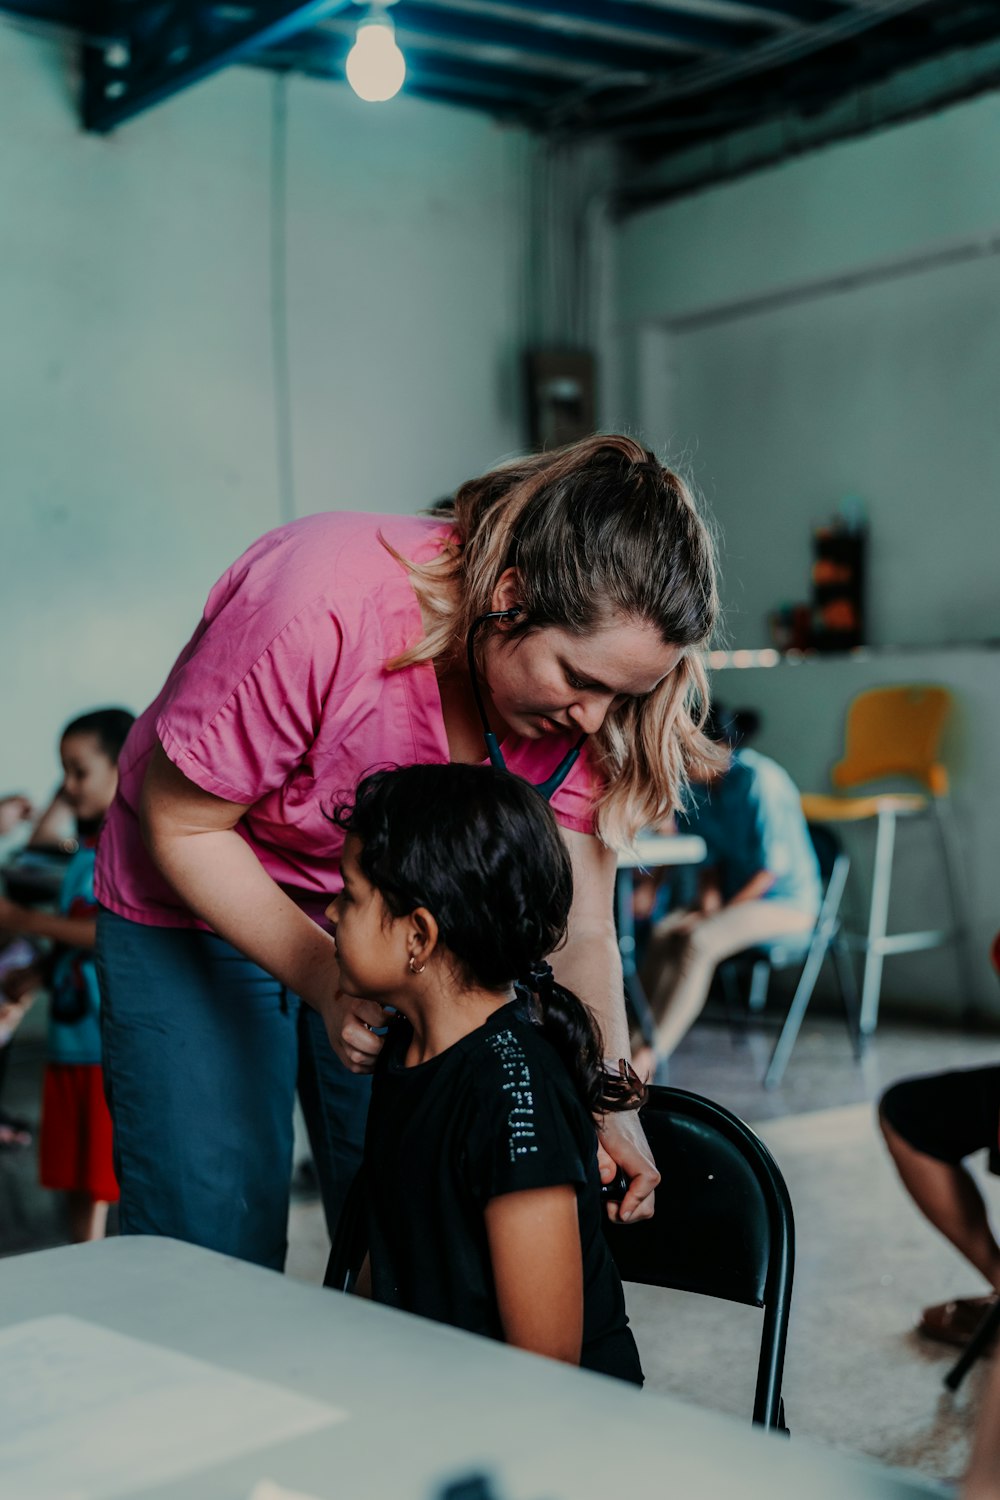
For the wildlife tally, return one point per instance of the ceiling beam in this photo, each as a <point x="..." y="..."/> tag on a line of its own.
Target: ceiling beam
<point x="696" y="81"/>
<point x="637" y="21"/>
<point x="460" y="26"/>
<point x="122" y="81"/>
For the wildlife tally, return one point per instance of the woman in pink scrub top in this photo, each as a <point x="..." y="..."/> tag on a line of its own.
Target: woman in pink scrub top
<point x="335" y="645"/>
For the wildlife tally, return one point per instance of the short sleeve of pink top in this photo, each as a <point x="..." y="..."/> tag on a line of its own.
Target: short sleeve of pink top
<point x="281" y="700"/>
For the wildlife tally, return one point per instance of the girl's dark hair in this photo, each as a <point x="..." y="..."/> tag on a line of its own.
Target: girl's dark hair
<point x="481" y="851"/>
<point x="109" y="726"/>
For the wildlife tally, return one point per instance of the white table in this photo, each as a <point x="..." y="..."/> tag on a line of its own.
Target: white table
<point x="651" y="852"/>
<point x="654" y="851"/>
<point x="425" y="1403"/>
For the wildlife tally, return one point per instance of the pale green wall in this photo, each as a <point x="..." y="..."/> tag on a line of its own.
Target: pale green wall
<point x="137" y="429"/>
<point x="887" y="390"/>
<point x="891" y="391"/>
<point x="833" y="209"/>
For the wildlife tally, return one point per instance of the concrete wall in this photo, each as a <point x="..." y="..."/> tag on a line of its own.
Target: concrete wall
<point x="872" y="369"/>
<point x="826" y="327"/>
<point x="137" y="381"/>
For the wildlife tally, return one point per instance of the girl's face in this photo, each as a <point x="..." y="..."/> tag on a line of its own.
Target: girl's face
<point x="371" y="943"/>
<point x="550" y="681"/>
<point x="90" y="776"/>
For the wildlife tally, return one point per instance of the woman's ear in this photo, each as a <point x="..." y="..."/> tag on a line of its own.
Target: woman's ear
<point x="508" y="591"/>
<point x="422" y="938"/>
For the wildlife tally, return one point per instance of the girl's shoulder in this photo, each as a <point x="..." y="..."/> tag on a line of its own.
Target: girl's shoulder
<point x="513" y="1061"/>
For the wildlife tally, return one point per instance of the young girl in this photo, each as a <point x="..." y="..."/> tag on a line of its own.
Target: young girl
<point x="75" y="1148"/>
<point x="481" y="1185"/>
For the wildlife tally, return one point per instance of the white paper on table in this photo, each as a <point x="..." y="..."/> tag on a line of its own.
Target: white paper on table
<point x="87" y="1414"/>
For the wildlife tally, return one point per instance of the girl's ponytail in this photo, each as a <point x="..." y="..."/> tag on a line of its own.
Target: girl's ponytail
<point x="569" y="1027"/>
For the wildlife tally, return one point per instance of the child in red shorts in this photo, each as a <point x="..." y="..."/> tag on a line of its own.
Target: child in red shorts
<point x="75" y="1149"/>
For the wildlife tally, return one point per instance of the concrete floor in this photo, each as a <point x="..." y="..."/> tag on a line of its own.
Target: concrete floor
<point x="856" y="1375"/>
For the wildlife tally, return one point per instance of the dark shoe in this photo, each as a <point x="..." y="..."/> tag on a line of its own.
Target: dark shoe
<point x="955" y="1322"/>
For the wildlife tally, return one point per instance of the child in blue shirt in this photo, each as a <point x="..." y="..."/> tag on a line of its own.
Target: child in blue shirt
<point x="75" y="1150"/>
<point x="760" y="884"/>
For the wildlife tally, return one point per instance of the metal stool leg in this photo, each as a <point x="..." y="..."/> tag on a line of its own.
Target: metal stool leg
<point x="625" y="919"/>
<point x="760" y="980"/>
<point x="957" y="900"/>
<point x="796" y="1011"/>
<point x="877" y="920"/>
<point x="976" y="1346"/>
<point x="849" y="993"/>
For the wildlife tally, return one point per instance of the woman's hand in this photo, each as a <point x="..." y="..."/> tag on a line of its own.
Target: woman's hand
<point x="622" y="1144"/>
<point x="350" y="1025"/>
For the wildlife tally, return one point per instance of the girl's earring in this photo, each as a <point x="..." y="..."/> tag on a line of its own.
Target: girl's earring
<point x="414" y="967"/>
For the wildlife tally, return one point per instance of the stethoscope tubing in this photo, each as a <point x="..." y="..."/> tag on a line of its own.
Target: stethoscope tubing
<point x="552" y="783"/>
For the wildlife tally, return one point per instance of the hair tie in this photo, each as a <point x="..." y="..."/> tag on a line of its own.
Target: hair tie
<point x="540" y="977"/>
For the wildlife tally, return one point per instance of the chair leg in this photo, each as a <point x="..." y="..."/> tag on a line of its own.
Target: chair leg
<point x="977" y="1345"/>
<point x="625" y="920"/>
<point x="849" y="994"/>
<point x="730" y="975"/>
<point x="796" y="1011"/>
<point x="878" y="917"/>
<point x="760" y="979"/>
<point x="958" y="901"/>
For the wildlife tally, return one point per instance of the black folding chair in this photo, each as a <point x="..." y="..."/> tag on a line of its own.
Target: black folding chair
<point x="723" y="1227"/>
<point x="350" y="1242"/>
<point x="827" y="937"/>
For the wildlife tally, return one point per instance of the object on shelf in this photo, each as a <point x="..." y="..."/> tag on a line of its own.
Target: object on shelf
<point x="838" y="581"/>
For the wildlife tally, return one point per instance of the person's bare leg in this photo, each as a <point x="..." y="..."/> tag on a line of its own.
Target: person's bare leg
<point x="680" y="997"/>
<point x="948" y="1197"/>
<point x="88" y="1218"/>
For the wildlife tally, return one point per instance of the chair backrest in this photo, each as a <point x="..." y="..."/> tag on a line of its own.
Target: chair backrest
<point x="895" y="731"/>
<point x="350" y="1240"/>
<point x="724" y="1227"/>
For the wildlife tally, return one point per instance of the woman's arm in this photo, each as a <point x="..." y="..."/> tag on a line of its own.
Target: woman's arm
<point x="534" y="1240"/>
<point x="191" y="836"/>
<point x="589" y="964"/>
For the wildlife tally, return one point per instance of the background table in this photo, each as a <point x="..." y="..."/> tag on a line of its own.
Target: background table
<point x="426" y="1404"/>
<point x="653" y="852"/>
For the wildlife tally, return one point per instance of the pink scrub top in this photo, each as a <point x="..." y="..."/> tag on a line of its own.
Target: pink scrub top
<point x="281" y="700"/>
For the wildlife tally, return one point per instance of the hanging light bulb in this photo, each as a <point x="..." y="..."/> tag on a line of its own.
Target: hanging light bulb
<point x="375" y="66"/>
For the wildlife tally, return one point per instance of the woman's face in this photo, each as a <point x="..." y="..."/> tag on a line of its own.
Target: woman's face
<point x="550" y="680"/>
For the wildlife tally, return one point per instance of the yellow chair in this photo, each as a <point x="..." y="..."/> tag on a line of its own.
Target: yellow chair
<point x="895" y="732"/>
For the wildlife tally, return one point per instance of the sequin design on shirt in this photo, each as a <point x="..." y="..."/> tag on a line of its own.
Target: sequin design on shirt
<point x="521" y="1136"/>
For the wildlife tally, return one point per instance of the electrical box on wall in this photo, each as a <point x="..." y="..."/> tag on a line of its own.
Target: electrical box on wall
<point x="561" y="396"/>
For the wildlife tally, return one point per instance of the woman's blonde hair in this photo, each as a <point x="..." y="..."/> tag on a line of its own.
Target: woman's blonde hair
<point x="596" y="529"/>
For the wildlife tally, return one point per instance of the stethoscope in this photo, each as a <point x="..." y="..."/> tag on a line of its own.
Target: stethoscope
<point x="562" y="770"/>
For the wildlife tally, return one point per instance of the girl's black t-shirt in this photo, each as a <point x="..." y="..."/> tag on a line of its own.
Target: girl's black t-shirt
<point x="496" y="1113"/>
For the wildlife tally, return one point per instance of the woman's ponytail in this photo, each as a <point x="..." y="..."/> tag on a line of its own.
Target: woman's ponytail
<point x="568" y="1026"/>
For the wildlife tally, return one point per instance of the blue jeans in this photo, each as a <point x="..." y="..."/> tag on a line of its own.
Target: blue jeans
<point x="203" y="1051"/>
